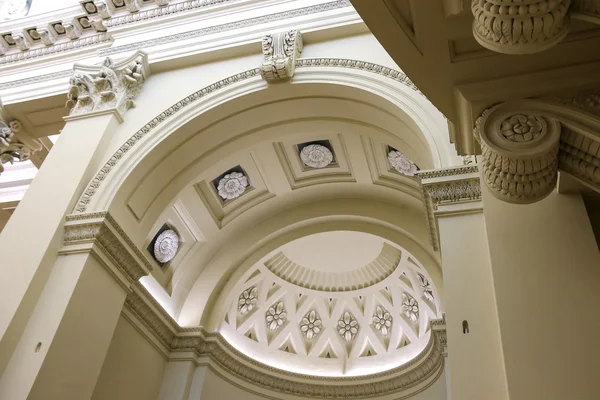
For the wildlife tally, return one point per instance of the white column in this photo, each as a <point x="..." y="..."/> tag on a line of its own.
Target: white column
<point x="546" y="272"/>
<point x="456" y="218"/>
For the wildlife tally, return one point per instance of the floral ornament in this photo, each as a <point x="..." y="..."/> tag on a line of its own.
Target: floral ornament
<point x="401" y="163"/>
<point x="232" y="185"/>
<point x="382" y="320"/>
<point x="426" y="287"/>
<point x="166" y="246"/>
<point x="247" y="300"/>
<point x="410" y="307"/>
<point x="348" y="326"/>
<point x="521" y="128"/>
<point x="276" y="316"/>
<point x="316" y="156"/>
<point x="310" y="325"/>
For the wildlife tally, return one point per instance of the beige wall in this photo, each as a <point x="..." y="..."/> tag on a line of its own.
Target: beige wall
<point x="133" y="368"/>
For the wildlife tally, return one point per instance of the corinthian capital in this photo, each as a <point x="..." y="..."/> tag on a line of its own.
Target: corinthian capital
<point x="281" y="51"/>
<point x="15" y="144"/>
<point x="519" y="152"/>
<point x="110" y="87"/>
<point x="520" y="26"/>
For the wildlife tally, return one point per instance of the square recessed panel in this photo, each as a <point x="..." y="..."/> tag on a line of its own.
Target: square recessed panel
<point x="299" y="175"/>
<point x="224" y="211"/>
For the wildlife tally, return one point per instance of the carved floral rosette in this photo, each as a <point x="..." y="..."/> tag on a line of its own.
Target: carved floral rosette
<point x="519" y="152"/>
<point x="520" y="26"/>
<point x="166" y="246"/>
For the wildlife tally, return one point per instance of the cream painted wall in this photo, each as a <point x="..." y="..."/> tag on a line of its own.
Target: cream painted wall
<point x="133" y="368"/>
<point x="216" y="388"/>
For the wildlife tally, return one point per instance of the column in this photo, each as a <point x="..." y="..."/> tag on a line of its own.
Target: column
<point x="546" y="271"/>
<point x="454" y="205"/>
<point x="62" y="303"/>
<point x="62" y="348"/>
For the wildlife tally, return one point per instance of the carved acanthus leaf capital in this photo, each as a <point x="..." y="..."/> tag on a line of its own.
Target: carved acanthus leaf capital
<point x="107" y="87"/>
<point x="15" y="143"/>
<point x="280" y="51"/>
<point x="520" y="26"/>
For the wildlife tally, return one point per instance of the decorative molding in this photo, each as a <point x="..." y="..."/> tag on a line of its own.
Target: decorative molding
<point x="15" y="144"/>
<point x="424" y="369"/>
<point x="276" y="316"/>
<point x="426" y="287"/>
<point x="348" y="327"/>
<point x="200" y="94"/>
<point x="228" y="26"/>
<point x="447" y="186"/>
<point x="280" y="51"/>
<point x="36" y="79"/>
<point x="311" y="325"/>
<point x="519" y="153"/>
<point x="100" y="234"/>
<point x="382" y="320"/>
<point x="232" y="185"/>
<point x="110" y="86"/>
<point x="166" y="246"/>
<point x="247" y="300"/>
<point x="410" y="307"/>
<point x="401" y="163"/>
<point x="316" y="156"/>
<point x="520" y="27"/>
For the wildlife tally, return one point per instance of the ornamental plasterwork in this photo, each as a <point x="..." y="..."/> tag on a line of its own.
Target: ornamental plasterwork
<point x="520" y="27"/>
<point x="110" y="86"/>
<point x="276" y="316"/>
<point x="522" y="128"/>
<point x="280" y="51"/>
<point x="426" y="287"/>
<point x="311" y="324"/>
<point x="199" y="95"/>
<point x="382" y="320"/>
<point x="333" y="325"/>
<point x="316" y="156"/>
<point x="348" y="326"/>
<point x="232" y="185"/>
<point x="411" y="307"/>
<point x="15" y="144"/>
<point x="247" y="300"/>
<point x="401" y="163"/>
<point x="420" y="372"/>
<point x="166" y="246"/>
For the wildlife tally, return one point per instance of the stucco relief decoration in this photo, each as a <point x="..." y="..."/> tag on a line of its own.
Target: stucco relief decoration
<point x="521" y="128"/>
<point x="382" y="320"/>
<point x="316" y="156"/>
<point x="232" y="185"/>
<point x="311" y="325"/>
<point x="410" y="307"/>
<point x="276" y="316"/>
<point x="520" y="26"/>
<point x="426" y="287"/>
<point x="15" y="144"/>
<point x="247" y="300"/>
<point x="108" y="86"/>
<point x="14" y="9"/>
<point x="401" y="163"/>
<point x="166" y="246"/>
<point x="348" y="326"/>
<point x="519" y="152"/>
<point x="280" y="51"/>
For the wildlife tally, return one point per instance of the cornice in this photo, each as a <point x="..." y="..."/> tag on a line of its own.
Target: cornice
<point x="422" y="369"/>
<point x="99" y="233"/>
<point x="446" y="187"/>
<point x="92" y="188"/>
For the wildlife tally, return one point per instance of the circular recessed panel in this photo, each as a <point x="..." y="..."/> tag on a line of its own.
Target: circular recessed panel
<point x="166" y="245"/>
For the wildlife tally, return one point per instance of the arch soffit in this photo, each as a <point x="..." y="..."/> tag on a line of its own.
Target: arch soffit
<point x="388" y="84"/>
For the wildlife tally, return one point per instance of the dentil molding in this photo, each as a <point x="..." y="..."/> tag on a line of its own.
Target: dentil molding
<point x="210" y="348"/>
<point x="109" y="87"/>
<point x="101" y="235"/>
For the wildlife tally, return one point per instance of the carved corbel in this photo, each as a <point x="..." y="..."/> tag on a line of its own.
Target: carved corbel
<point x="519" y="152"/>
<point x="520" y="26"/>
<point x="108" y="87"/>
<point x="20" y="42"/>
<point x="132" y="6"/>
<point x="15" y="144"/>
<point x="72" y="31"/>
<point x="280" y="51"/>
<point x="162" y="3"/>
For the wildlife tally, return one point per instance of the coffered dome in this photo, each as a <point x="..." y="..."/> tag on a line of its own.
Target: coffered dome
<point x="332" y="304"/>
